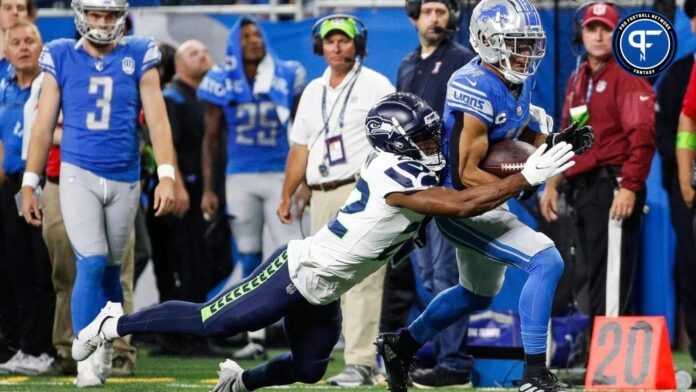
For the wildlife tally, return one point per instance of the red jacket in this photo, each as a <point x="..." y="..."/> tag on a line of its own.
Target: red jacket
<point x="622" y="113"/>
<point x="689" y="103"/>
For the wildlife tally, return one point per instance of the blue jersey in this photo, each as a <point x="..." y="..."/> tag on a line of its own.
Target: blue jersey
<point x="477" y="91"/>
<point x="257" y="112"/>
<point x="12" y="100"/>
<point x="7" y="72"/>
<point x="100" y="100"/>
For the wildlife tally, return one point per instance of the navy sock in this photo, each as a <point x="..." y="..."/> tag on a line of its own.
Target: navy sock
<point x="111" y="285"/>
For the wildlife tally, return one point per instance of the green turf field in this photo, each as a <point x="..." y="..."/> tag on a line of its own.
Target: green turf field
<point x="188" y="374"/>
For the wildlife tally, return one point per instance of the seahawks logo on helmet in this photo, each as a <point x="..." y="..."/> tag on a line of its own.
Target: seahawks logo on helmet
<point x="399" y="122"/>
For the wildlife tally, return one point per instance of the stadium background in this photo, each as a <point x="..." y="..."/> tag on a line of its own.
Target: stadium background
<point x="391" y="36"/>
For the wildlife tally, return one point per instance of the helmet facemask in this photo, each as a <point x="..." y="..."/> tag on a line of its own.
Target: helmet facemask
<point x="425" y="143"/>
<point x="100" y="36"/>
<point x="504" y="50"/>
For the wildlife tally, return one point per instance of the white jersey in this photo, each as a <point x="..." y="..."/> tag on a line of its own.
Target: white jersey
<point x="364" y="234"/>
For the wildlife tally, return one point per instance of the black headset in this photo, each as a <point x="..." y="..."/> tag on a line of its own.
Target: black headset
<point x="360" y="39"/>
<point x="413" y="11"/>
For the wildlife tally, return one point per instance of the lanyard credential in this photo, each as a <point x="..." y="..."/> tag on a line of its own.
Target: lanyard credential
<point x="341" y="116"/>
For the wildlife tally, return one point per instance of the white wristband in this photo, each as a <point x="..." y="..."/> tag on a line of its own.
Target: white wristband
<point x="165" y="171"/>
<point x="31" y="180"/>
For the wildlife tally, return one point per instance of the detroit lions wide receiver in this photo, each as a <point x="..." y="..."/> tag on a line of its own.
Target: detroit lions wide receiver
<point x="303" y="281"/>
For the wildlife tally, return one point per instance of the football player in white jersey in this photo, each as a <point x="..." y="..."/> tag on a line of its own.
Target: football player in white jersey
<point x="303" y="281"/>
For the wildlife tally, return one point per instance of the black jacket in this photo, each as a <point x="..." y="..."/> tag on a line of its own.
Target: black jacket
<point x="427" y="78"/>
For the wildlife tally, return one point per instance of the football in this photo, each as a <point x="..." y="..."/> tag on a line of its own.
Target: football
<point x="506" y="158"/>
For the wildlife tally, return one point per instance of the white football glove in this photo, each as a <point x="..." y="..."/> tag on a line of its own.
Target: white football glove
<point x="541" y="166"/>
<point x="539" y="115"/>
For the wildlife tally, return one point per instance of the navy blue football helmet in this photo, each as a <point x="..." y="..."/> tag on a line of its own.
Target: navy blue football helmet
<point x="403" y="124"/>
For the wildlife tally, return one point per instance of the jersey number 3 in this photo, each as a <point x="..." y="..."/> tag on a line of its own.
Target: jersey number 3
<point x="103" y="87"/>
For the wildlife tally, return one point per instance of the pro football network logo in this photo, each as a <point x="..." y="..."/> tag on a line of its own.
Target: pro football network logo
<point x="644" y="43"/>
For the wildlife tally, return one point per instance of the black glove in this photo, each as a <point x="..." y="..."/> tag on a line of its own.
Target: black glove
<point x="580" y="138"/>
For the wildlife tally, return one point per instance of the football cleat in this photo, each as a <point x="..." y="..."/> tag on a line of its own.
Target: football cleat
<point x="230" y="373"/>
<point x="91" y="336"/>
<point x="396" y="366"/>
<point x="543" y="382"/>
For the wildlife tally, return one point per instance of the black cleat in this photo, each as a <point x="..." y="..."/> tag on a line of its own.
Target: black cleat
<point x="440" y="377"/>
<point x="543" y="382"/>
<point x="396" y="366"/>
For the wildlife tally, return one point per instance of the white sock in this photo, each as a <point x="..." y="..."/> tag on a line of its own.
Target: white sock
<point x="238" y="385"/>
<point x="109" y="328"/>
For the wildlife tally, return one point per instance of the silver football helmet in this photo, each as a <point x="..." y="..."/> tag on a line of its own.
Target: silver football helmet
<point x="506" y="33"/>
<point x="101" y="36"/>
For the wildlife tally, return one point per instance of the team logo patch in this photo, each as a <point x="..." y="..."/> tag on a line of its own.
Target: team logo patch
<point x="128" y="65"/>
<point x="601" y="86"/>
<point x="644" y="43"/>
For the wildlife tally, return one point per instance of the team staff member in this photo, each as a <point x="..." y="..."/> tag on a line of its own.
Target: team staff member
<point x="609" y="180"/>
<point x="25" y="258"/>
<point x="425" y="72"/>
<point x="329" y="147"/>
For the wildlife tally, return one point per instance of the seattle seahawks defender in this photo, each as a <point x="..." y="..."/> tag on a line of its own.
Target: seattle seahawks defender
<point x="396" y="188"/>
<point x="488" y="101"/>
<point x="100" y="83"/>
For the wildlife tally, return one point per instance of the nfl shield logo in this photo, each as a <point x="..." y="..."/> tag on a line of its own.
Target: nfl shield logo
<point x="99" y="65"/>
<point x="601" y="86"/>
<point x="128" y="65"/>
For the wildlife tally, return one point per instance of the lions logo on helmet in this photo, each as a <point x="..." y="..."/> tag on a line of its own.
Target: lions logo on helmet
<point x="403" y="124"/>
<point x="101" y="35"/>
<point x="508" y="35"/>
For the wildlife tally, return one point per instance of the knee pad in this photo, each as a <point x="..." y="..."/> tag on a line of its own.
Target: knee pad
<point x="549" y="261"/>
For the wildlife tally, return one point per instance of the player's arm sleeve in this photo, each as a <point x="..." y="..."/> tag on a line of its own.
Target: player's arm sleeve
<point x="151" y="58"/>
<point x="689" y="103"/>
<point x="213" y="88"/>
<point x="48" y="63"/>
<point x="636" y="103"/>
<point x="405" y="177"/>
<point x="465" y="98"/>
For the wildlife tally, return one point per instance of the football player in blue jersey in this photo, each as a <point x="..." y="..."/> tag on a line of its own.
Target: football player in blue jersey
<point x="255" y="92"/>
<point x="304" y="281"/>
<point x="100" y="83"/>
<point x="489" y="100"/>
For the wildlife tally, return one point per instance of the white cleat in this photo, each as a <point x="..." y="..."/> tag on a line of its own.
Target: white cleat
<point x="91" y="336"/>
<point x="10" y="367"/>
<point x="87" y="375"/>
<point x="102" y="360"/>
<point x="230" y="372"/>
